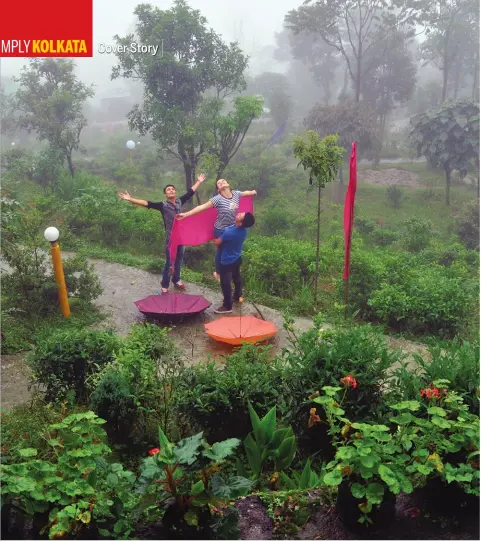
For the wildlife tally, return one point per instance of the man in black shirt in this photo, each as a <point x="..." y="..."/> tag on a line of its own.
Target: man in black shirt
<point x="169" y="209"/>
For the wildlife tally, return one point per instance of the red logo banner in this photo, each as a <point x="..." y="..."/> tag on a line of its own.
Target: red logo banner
<point x="53" y="28"/>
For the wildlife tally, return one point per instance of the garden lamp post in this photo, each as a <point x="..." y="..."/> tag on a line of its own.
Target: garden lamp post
<point x="52" y="234"/>
<point x="130" y="145"/>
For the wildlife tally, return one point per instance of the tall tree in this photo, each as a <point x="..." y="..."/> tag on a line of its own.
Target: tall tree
<point x="196" y="65"/>
<point x="223" y="134"/>
<point x="321" y="59"/>
<point x="448" y="23"/>
<point x="323" y="160"/>
<point x="353" y="28"/>
<point x="449" y="138"/>
<point x="391" y="81"/>
<point x="50" y="101"/>
<point x="275" y="89"/>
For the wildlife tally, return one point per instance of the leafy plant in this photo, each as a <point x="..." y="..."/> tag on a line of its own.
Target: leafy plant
<point x="448" y="137"/>
<point x="186" y="480"/>
<point x="374" y="458"/>
<point x="394" y="196"/>
<point x="76" y="487"/>
<point x="65" y="360"/>
<point x="323" y="159"/>
<point x="269" y="443"/>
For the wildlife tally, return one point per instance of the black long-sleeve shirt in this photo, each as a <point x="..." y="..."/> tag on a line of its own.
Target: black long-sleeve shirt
<point x="170" y="210"/>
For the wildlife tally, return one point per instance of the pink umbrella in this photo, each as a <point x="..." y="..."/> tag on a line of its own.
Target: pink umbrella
<point x="173" y="304"/>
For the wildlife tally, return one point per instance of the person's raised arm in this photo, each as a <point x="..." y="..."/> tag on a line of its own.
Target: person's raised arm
<point x="248" y="192"/>
<point x="127" y="197"/>
<point x="184" y="198"/>
<point x="195" y="210"/>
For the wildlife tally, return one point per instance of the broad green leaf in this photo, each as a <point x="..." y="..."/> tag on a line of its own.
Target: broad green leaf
<point x="256" y="424"/>
<point x="403" y="419"/>
<point x="411" y="405"/>
<point x="253" y="455"/>
<point x="234" y="487"/>
<point x="375" y="493"/>
<point x="358" y="490"/>
<point x="333" y="478"/>
<point x="197" y="488"/>
<point x="112" y="480"/>
<point x="345" y="453"/>
<point x="187" y="450"/>
<point x="287" y="482"/>
<point x="287" y="451"/>
<point x="305" y="475"/>
<point x="268" y="425"/>
<point x="434" y="410"/>
<point x="28" y="452"/>
<point x="439" y="421"/>
<point x="222" y="449"/>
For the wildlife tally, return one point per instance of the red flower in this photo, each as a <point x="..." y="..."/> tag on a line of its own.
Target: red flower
<point x="430" y="392"/>
<point x="412" y="512"/>
<point x="154" y="451"/>
<point x="349" y="381"/>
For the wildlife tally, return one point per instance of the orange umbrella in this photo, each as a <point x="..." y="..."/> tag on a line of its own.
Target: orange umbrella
<point x="235" y="330"/>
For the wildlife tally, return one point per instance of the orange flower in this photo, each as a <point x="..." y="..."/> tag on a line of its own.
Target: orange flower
<point x="349" y="381"/>
<point x="313" y="418"/>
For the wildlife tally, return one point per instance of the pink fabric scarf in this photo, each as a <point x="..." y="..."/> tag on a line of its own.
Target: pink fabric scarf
<point x="199" y="229"/>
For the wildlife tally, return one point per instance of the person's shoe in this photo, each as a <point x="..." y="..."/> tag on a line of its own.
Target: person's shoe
<point x="238" y="299"/>
<point x="165" y="290"/>
<point x="216" y="275"/>
<point x="179" y="285"/>
<point x="222" y="310"/>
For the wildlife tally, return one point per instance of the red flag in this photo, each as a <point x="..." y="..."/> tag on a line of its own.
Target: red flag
<point x="349" y="210"/>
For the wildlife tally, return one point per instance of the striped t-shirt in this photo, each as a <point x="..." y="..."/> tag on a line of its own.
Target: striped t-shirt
<point x="226" y="209"/>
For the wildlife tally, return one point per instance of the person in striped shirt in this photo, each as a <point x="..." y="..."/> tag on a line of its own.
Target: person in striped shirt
<point x="227" y="204"/>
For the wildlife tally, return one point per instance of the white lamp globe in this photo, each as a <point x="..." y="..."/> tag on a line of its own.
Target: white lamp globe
<point x="13" y="144"/>
<point x="130" y="145"/>
<point x="51" y="234"/>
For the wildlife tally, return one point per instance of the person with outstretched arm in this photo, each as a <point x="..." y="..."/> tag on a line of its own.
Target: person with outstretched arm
<point x="169" y="209"/>
<point x="232" y="241"/>
<point x="227" y="204"/>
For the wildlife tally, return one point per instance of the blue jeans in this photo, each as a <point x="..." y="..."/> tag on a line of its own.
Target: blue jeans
<point x="218" y="252"/>
<point x="177" y="265"/>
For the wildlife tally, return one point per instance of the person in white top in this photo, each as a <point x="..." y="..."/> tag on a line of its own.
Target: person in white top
<point x="227" y="204"/>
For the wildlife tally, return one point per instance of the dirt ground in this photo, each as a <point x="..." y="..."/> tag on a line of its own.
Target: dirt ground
<point x="389" y="177"/>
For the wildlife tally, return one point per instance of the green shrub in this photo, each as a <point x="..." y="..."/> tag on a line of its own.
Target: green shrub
<point x="151" y="367"/>
<point x="113" y="401"/>
<point x="467" y="225"/>
<point x="456" y="361"/>
<point x="382" y="236"/>
<point x="364" y="225"/>
<point x="394" y="196"/>
<point x="419" y="233"/>
<point x="217" y="400"/>
<point x="427" y="301"/>
<point x="65" y="361"/>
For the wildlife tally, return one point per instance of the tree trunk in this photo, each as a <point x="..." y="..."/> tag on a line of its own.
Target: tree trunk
<point x="316" y="277"/>
<point x="382" y="127"/>
<point x="345" y="82"/>
<point x="456" y="78"/>
<point x="447" y="173"/>
<point x="475" y="76"/>
<point x="477" y="177"/>
<point x="358" y="80"/>
<point x="70" y="164"/>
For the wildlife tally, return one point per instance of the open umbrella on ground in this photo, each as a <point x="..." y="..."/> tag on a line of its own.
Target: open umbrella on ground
<point x="173" y="305"/>
<point x="236" y="330"/>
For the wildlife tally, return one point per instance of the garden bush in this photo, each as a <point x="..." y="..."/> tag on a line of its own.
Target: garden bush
<point x="217" y="400"/>
<point x="456" y="361"/>
<point x="65" y="361"/>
